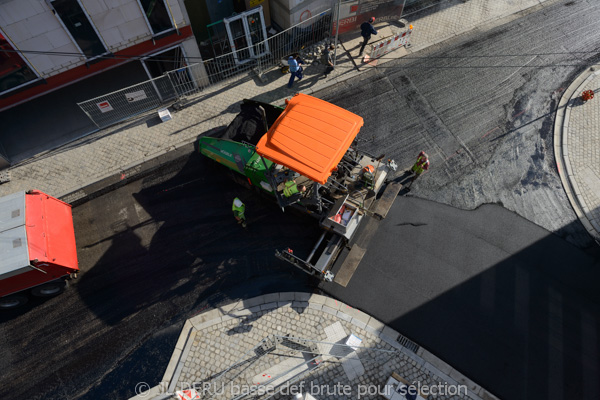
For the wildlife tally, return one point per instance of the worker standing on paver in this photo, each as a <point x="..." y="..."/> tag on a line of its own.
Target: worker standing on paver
<point x="238" y="209"/>
<point x="291" y="188"/>
<point x="420" y="166"/>
<point x="366" y="30"/>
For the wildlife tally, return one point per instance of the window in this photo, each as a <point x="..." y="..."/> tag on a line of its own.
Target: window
<point x="157" y="15"/>
<point x="13" y="69"/>
<point x="79" y="26"/>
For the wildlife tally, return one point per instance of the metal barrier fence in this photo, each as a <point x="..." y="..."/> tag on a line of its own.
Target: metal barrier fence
<point x="118" y="106"/>
<point x="195" y="78"/>
<point x="293" y="40"/>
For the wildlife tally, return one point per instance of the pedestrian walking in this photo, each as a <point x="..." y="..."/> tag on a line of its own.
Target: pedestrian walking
<point x="329" y="59"/>
<point x="366" y="30"/>
<point x="239" y="209"/>
<point x="295" y="69"/>
<point x="420" y="166"/>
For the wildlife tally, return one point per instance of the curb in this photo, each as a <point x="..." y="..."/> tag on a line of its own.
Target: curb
<point x="422" y="357"/>
<point x="561" y="148"/>
<point x="129" y="173"/>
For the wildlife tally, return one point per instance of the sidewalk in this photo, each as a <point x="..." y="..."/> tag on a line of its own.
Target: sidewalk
<point x="272" y="340"/>
<point x="119" y="151"/>
<point x="577" y="148"/>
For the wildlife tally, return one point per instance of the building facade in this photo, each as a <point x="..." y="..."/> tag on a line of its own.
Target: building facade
<point x="52" y="43"/>
<point x="55" y="54"/>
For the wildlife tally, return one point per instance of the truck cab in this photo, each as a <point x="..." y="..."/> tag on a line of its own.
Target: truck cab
<point x="37" y="247"/>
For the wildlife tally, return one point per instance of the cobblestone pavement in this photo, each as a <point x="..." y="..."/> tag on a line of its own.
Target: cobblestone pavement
<point x="115" y="150"/>
<point x="577" y="146"/>
<point x="219" y="353"/>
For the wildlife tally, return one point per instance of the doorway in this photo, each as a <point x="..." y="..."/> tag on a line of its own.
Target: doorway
<point x="247" y="35"/>
<point x="167" y="60"/>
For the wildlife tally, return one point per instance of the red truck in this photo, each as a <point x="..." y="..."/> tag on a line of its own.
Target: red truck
<point x="37" y="247"/>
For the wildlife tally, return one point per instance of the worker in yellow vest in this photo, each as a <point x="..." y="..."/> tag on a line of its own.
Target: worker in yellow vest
<point x="238" y="209"/>
<point x="290" y="188"/>
<point x="420" y="166"/>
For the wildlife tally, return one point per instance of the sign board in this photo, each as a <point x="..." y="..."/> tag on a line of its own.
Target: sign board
<point x="388" y="44"/>
<point x="188" y="394"/>
<point x="104" y="106"/>
<point x="136" y="96"/>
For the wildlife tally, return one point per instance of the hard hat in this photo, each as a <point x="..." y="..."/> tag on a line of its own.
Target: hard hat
<point x="291" y="58"/>
<point x="238" y="202"/>
<point x="372" y="19"/>
<point x="369" y="168"/>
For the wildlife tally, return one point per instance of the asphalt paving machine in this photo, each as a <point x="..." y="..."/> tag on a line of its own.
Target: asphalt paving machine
<point x="313" y="143"/>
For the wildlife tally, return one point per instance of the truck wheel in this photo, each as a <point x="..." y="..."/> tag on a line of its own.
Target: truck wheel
<point x="14" y="301"/>
<point x="49" y="289"/>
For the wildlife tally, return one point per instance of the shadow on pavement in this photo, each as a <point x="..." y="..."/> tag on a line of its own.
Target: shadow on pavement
<point x="175" y="240"/>
<point x="512" y="306"/>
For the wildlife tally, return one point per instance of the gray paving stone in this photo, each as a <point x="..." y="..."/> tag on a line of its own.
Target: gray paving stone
<point x="301" y="296"/>
<point x="329" y="310"/>
<point x="287" y="296"/>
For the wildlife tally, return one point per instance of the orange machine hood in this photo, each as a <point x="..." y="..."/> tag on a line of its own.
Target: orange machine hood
<point x="310" y="137"/>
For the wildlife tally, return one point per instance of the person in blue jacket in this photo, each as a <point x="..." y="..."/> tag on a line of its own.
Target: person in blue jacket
<point x="295" y="69"/>
<point x="366" y="30"/>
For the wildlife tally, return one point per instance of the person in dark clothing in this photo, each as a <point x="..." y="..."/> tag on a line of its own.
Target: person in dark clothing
<point x="329" y="53"/>
<point x="366" y="30"/>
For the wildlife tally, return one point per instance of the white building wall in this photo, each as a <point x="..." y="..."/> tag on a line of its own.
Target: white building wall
<point x="287" y="13"/>
<point x="31" y="25"/>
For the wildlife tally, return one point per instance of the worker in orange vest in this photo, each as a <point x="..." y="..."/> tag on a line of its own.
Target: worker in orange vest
<point x="420" y="166"/>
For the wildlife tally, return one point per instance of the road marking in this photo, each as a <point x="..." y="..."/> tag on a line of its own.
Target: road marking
<point x="455" y="153"/>
<point x="490" y="131"/>
<point x="516" y="115"/>
<point x="521" y="67"/>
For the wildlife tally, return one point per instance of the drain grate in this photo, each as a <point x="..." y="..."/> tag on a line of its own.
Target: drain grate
<point x="409" y="344"/>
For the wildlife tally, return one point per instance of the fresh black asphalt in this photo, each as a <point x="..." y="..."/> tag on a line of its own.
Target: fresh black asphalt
<point x="513" y="307"/>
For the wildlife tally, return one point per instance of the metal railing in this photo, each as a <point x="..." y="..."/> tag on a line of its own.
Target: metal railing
<point x="293" y="40"/>
<point x="123" y="104"/>
<point x="195" y="78"/>
<point x="187" y="81"/>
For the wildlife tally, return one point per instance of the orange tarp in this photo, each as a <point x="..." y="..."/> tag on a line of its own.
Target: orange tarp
<point x="310" y="137"/>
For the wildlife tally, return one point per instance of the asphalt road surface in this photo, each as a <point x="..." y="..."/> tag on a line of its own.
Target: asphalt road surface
<point x="505" y="301"/>
<point x="512" y="306"/>
<point x="152" y="254"/>
<point x="482" y="106"/>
